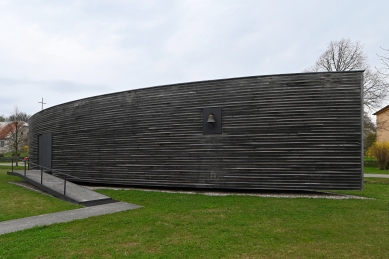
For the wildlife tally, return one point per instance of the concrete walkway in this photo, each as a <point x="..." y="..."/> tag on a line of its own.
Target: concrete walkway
<point x="64" y="216"/>
<point x="10" y="164"/>
<point x="377" y="175"/>
<point x="97" y="204"/>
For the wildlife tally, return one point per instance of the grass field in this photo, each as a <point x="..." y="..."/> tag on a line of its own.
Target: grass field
<point x="17" y="202"/>
<point x="374" y="170"/>
<point x="173" y="225"/>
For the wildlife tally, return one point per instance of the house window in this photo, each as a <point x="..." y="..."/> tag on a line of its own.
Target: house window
<point x="2" y="143"/>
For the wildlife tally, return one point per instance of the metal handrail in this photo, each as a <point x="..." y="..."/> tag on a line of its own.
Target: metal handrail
<point x="54" y="172"/>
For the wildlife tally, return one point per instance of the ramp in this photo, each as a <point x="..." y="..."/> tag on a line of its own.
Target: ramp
<point x="56" y="187"/>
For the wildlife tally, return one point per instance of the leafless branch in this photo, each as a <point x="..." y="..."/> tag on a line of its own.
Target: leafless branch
<point x="342" y="55"/>
<point x="385" y="63"/>
<point x="375" y="89"/>
<point x="345" y="55"/>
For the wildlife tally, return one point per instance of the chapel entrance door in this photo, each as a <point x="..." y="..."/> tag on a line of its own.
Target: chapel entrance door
<point x="45" y="149"/>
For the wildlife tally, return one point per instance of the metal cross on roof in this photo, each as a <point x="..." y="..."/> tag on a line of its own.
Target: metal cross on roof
<point x="42" y="103"/>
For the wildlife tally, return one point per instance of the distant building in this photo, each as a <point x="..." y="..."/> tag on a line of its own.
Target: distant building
<point x="383" y="124"/>
<point x="7" y="129"/>
<point x="2" y="137"/>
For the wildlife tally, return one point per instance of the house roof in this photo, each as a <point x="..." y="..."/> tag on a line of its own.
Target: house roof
<point x="3" y="132"/>
<point x="382" y="110"/>
<point x="6" y="128"/>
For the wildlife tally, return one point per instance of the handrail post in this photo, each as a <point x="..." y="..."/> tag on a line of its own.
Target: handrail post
<point x="64" y="186"/>
<point x="28" y="163"/>
<point x="12" y="166"/>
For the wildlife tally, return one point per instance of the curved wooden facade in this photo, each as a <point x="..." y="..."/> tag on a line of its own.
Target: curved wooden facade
<point x="291" y="132"/>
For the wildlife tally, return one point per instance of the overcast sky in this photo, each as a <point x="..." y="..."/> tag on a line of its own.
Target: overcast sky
<point x="67" y="50"/>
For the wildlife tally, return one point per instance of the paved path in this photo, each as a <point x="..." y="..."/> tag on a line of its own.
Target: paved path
<point x="9" y="164"/>
<point x="64" y="216"/>
<point x="98" y="204"/>
<point x="377" y="175"/>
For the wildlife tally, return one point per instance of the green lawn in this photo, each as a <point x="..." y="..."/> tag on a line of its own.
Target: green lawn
<point x="21" y="154"/>
<point x="374" y="170"/>
<point x="172" y="225"/>
<point x="18" y="202"/>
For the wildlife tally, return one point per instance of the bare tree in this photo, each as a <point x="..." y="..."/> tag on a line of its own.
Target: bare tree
<point x="368" y="125"/>
<point x="385" y="63"/>
<point x="375" y="89"/>
<point x="345" y="55"/>
<point x="369" y="132"/>
<point x="18" y="135"/>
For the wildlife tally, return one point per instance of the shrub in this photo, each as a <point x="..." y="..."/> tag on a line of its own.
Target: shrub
<point x="380" y="151"/>
<point x="1" y="155"/>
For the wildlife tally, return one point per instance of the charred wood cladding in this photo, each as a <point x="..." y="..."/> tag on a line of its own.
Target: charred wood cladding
<point x="287" y="132"/>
